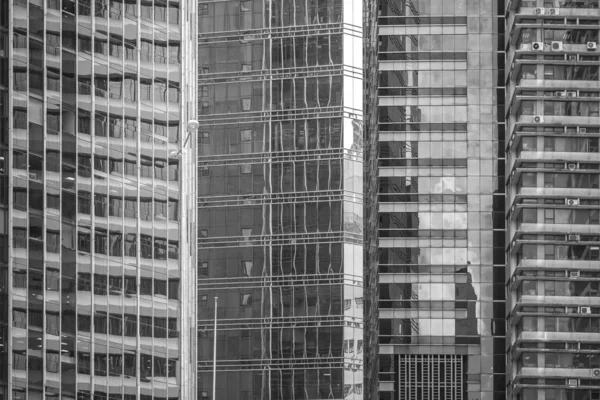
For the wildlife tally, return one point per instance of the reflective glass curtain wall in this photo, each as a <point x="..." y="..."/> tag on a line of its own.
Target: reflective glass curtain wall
<point x="280" y="199"/>
<point x="441" y="239"/>
<point x="4" y="288"/>
<point x="553" y="202"/>
<point x="98" y="249"/>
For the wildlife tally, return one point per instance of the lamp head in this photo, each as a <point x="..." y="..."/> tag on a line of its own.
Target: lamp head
<point x="192" y="125"/>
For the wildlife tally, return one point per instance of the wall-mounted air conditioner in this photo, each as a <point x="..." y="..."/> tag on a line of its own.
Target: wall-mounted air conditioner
<point x="540" y="11"/>
<point x="571" y="166"/>
<point x="585" y="310"/>
<point x="573" y="274"/>
<point x="592" y="46"/>
<point x="572" y="237"/>
<point x="583" y="131"/>
<point x="572" y="202"/>
<point x="573" y="382"/>
<point x="556" y="46"/>
<point x="537" y="46"/>
<point x="552" y="11"/>
<point x="538" y="119"/>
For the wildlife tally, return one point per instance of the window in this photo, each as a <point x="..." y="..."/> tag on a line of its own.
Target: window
<point x="204" y="269"/>
<point x="100" y="323"/>
<point x="115" y="285"/>
<point x="160" y="366"/>
<point x="116" y="325"/>
<point x="160" y="327"/>
<point x="19" y="318"/>
<point x="160" y="287"/>
<point x="160" y="249"/>
<point x="52" y="324"/>
<point x="19" y="360"/>
<point x="246" y="104"/>
<point x="174" y="289"/>
<point x="173" y="250"/>
<point x="145" y="326"/>
<point x="84" y="282"/>
<point x="52" y="362"/>
<point x="99" y="205"/>
<point x="173" y="331"/>
<point x="53" y="280"/>
<point x="116" y="244"/>
<point x="130" y="325"/>
<point x="100" y="364"/>
<point x="100" y="241"/>
<point x="130" y="244"/>
<point x="146" y="246"/>
<point x="115" y="365"/>
<point x="246" y="299"/>
<point x="130" y="285"/>
<point x="129" y="365"/>
<point x="173" y="210"/>
<point x="83" y="323"/>
<point x="247" y="268"/>
<point x="100" y="284"/>
<point x="83" y="242"/>
<point x="146" y="286"/>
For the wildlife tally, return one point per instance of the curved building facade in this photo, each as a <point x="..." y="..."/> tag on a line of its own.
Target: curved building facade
<point x="280" y="199"/>
<point x="98" y="220"/>
<point x="553" y="201"/>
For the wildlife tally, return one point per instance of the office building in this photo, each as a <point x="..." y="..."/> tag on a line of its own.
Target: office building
<point x="280" y="199"/>
<point x="94" y="279"/>
<point x="553" y="198"/>
<point x="441" y="200"/>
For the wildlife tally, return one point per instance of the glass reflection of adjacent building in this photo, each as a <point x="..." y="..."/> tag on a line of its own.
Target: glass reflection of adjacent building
<point x="280" y="181"/>
<point x="553" y="200"/>
<point x="97" y="248"/>
<point x="441" y="239"/>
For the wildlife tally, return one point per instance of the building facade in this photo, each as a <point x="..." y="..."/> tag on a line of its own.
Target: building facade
<point x="280" y="199"/>
<point x="95" y="278"/>
<point x="553" y="199"/>
<point x="441" y="200"/>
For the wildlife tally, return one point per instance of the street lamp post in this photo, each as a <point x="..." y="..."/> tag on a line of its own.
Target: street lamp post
<point x="214" y="385"/>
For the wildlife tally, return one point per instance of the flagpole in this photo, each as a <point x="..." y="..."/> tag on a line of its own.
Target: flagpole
<point x="214" y="385"/>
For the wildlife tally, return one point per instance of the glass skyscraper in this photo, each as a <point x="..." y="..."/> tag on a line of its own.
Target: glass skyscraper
<point x="553" y="198"/>
<point x="94" y="242"/>
<point x="280" y="199"/>
<point x="441" y="213"/>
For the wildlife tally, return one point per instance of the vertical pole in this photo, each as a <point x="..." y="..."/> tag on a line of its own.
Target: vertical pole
<point x="214" y="385"/>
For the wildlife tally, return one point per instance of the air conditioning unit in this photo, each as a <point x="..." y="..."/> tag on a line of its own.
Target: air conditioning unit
<point x="572" y="202"/>
<point x="556" y="46"/>
<point x="540" y="11"/>
<point x="560" y="94"/>
<point x="585" y="310"/>
<point x="592" y="46"/>
<point x="537" y="46"/>
<point x="538" y="119"/>
<point x="596" y="372"/>
<point x="571" y="166"/>
<point x="583" y="131"/>
<point x="573" y="382"/>
<point x="571" y="94"/>
<point x="552" y="11"/>
<point x="572" y="238"/>
<point x="574" y="274"/>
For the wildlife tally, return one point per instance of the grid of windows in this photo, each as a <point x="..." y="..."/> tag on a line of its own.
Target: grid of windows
<point x="95" y="225"/>
<point x="280" y="184"/>
<point x="554" y="254"/>
<point x="441" y="198"/>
